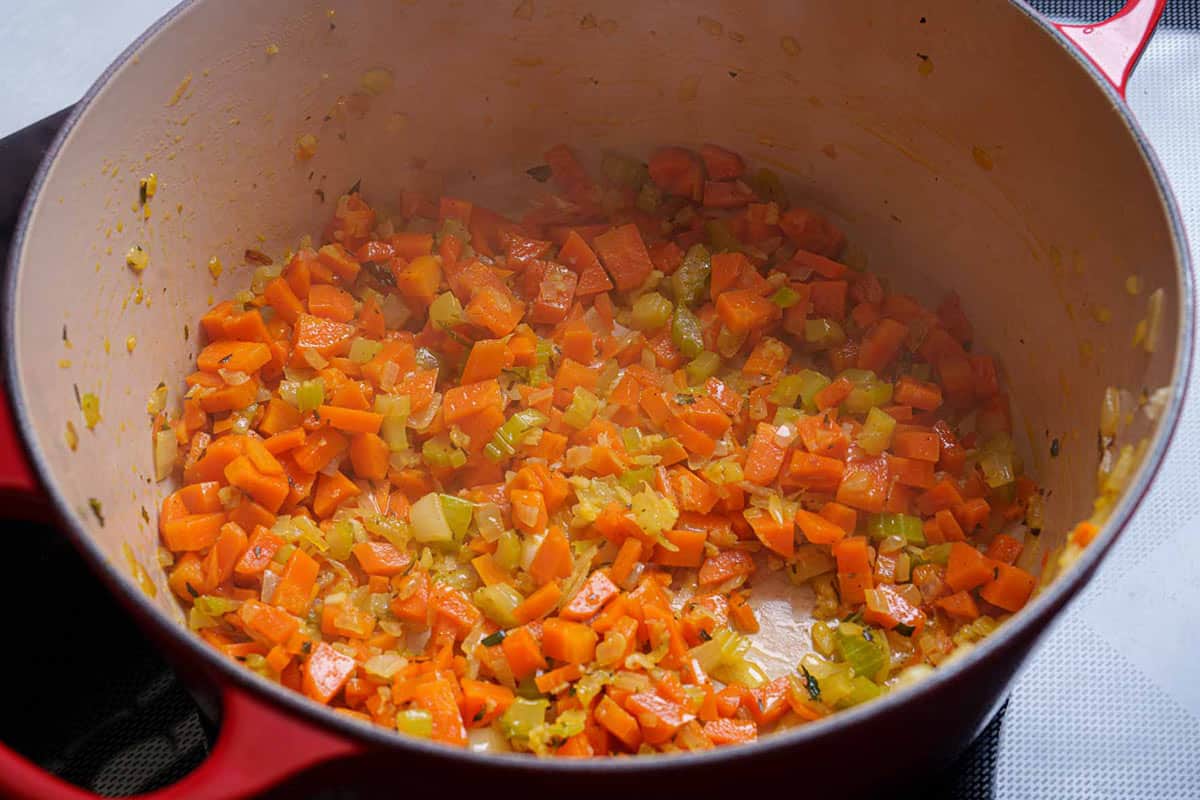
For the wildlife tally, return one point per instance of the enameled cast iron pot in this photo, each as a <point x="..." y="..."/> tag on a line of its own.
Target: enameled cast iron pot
<point x="963" y="145"/>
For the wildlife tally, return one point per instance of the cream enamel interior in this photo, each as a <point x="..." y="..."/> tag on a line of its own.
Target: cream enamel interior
<point x="959" y="147"/>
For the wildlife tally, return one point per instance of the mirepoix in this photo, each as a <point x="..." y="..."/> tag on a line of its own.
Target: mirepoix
<point x="455" y="473"/>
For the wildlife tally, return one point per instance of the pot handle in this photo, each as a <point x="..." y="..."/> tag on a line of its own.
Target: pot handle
<point x="16" y="476"/>
<point x="258" y="747"/>
<point x="1115" y="45"/>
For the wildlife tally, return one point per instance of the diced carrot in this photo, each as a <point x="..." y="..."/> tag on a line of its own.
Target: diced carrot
<point x="325" y="672"/>
<point x="330" y="302"/>
<point x="677" y="171"/>
<point x="925" y="396"/>
<point x="332" y="491"/>
<point x="725" y="565"/>
<point x="778" y="535"/>
<point x="349" y="419"/>
<point x="813" y="472"/>
<point x="624" y="255"/>
<point x="721" y="164"/>
<point x="233" y="356"/>
<point x="854" y="569"/>
<point x="688" y="549"/>
<point x="553" y="558"/>
<point x="437" y="697"/>
<point x="1010" y="588"/>
<point x="293" y="593"/>
<point x="844" y="517"/>
<point x="523" y="652"/>
<point x="743" y="310"/>
<point x="260" y="551"/>
<point x="765" y="457"/>
<point x="967" y="568"/>
<point x="729" y="731"/>
<point x="572" y="642"/>
<point x="369" y="456"/>
<point x="539" y="604"/>
<point x="341" y="262"/>
<point x="820" y="530"/>
<point x="619" y="722"/>
<point x="595" y="593"/>
<point x="381" y="558"/>
<point x="628" y="555"/>
<point x="811" y="231"/>
<point x="960" y="605"/>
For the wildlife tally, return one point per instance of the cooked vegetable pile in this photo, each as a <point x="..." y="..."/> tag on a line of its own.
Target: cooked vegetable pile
<point x="464" y="476"/>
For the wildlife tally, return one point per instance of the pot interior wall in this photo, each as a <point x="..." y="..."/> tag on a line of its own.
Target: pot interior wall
<point x="958" y="145"/>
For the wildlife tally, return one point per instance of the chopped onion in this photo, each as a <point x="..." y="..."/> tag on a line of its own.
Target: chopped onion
<point x="166" y="451"/>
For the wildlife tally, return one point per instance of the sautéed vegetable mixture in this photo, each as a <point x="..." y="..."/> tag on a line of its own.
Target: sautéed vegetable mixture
<point x="464" y="476"/>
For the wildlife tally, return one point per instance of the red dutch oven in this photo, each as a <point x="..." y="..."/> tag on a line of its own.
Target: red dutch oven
<point x="967" y="146"/>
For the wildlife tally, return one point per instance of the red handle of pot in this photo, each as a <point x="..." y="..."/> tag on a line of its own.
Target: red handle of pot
<point x="258" y="746"/>
<point x="1115" y="45"/>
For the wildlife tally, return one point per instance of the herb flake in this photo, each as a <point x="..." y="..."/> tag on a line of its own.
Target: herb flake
<point x="541" y="173"/>
<point x="97" y="510"/>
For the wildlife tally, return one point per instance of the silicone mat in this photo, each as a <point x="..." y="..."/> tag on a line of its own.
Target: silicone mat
<point x="1109" y="706"/>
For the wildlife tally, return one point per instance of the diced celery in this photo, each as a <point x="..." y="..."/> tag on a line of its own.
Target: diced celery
<point x="702" y="367"/>
<point x="498" y="602"/>
<point x="936" y="554"/>
<point x="458" y="513"/>
<point x="439" y="452"/>
<point x="720" y="236"/>
<point x="340" y="538"/>
<point x="787" y="416"/>
<point x="785" y="297"/>
<point x="446" y="311"/>
<point x="861" y="690"/>
<point x="428" y="518"/>
<point x="525" y="714"/>
<point x="623" y="170"/>
<point x="822" y="333"/>
<point x="876" y="433"/>
<point x="509" y="435"/>
<point x="633" y="479"/>
<point x="547" y="736"/>
<point x="649" y="198"/>
<point x="388" y="528"/>
<point x="689" y="281"/>
<point x="997" y="467"/>
<point x="687" y="333"/>
<point x="415" y="722"/>
<point x="863" y="649"/>
<point x="767" y="185"/>
<point x="632" y="439"/>
<point x="787" y="390"/>
<point x="215" y="606"/>
<point x="905" y="526"/>
<point x="582" y="408"/>
<point x="394" y="409"/>
<point x="363" y="350"/>
<point x="284" y="553"/>
<point x="811" y="383"/>
<point x="725" y="471"/>
<point x="868" y="392"/>
<point x="508" y="550"/>
<point x="310" y="395"/>
<point x="651" y="311"/>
